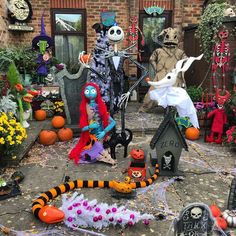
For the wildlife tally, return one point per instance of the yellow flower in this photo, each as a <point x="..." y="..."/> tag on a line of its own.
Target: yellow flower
<point x="9" y="138"/>
<point x="2" y="141"/>
<point x="12" y="143"/>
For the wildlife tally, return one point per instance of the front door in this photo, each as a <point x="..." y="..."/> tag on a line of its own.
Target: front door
<point x="151" y="26"/>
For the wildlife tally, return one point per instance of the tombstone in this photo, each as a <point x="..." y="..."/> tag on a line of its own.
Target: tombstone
<point x="194" y="220"/>
<point x="168" y="143"/>
<point x="71" y="88"/>
<point x="232" y="195"/>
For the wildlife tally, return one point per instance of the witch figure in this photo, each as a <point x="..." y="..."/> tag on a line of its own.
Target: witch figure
<point x="43" y="44"/>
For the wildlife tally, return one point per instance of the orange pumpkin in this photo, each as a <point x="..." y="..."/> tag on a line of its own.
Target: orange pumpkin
<point x="215" y="210"/>
<point x="58" y="122"/>
<point x="137" y="154"/>
<point x="221" y="223"/>
<point x="192" y="133"/>
<point x="65" y="134"/>
<point x="85" y="58"/>
<point x="50" y="214"/>
<point x="40" y="115"/>
<point x="47" y="137"/>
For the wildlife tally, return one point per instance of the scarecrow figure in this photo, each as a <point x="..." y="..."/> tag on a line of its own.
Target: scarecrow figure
<point x="164" y="60"/>
<point x="43" y="44"/>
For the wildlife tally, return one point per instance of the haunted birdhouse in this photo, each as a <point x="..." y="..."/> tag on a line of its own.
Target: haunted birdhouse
<point x="137" y="166"/>
<point x="168" y="143"/>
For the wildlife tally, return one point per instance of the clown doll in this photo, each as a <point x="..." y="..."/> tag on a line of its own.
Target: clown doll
<point x="95" y="124"/>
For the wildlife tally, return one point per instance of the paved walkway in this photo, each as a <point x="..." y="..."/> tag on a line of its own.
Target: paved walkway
<point x="207" y="169"/>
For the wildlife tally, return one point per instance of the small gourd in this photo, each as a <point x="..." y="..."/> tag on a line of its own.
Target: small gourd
<point x="192" y="133"/>
<point x="65" y="134"/>
<point x="215" y="210"/>
<point x="40" y="115"/>
<point x="221" y="223"/>
<point x="47" y="137"/>
<point x="58" y="122"/>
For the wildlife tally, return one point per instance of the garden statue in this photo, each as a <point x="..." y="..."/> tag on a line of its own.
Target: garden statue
<point x="118" y="99"/>
<point x="95" y="123"/>
<point x="163" y="60"/>
<point x="43" y="44"/>
<point x="167" y="95"/>
<point x="221" y="57"/>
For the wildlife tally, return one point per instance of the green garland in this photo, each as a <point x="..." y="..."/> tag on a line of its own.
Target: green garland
<point x="211" y="21"/>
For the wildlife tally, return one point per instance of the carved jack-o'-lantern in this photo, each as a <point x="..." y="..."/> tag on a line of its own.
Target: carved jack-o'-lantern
<point x="137" y="154"/>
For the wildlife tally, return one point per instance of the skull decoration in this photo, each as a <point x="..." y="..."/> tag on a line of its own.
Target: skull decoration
<point x="115" y="34"/>
<point x="170" y="37"/>
<point x="229" y="12"/>
<point x="223" y="34"/>
<point x="137" y="173"/>
<point x="196" y="213"/>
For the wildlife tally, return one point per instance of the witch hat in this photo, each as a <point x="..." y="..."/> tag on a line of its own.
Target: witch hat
<point x="42" y="37"/>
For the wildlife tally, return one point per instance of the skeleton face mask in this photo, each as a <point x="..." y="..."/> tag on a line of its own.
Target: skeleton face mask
<point x="196" y="213"/>
<point x="115" y="34"/>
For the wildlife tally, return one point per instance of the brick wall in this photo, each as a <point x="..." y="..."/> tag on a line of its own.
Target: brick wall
<point x="3" y="24"/>
<point x="94" y="7"/>
<point x="185" y="12"/>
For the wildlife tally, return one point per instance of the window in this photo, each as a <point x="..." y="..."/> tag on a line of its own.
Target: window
<point x="69" y="31"/>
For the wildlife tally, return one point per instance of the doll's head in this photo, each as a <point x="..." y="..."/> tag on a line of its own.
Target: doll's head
<point x="90" y="92"/>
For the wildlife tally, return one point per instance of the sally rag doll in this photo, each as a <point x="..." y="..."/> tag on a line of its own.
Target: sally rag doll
<point x="95" y="123"/>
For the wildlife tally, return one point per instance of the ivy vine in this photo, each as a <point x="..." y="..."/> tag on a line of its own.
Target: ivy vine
<point x="211" y="21"/>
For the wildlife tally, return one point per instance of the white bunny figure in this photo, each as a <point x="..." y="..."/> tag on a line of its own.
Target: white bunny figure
<point x="166" y="95"/>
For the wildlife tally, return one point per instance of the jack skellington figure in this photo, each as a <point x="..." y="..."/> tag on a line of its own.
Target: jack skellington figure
<point x="119" y="99"/>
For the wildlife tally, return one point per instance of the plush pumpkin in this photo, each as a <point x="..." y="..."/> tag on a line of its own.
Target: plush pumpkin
<point x="65" y="134"/>
<point x="215" y="210"/>
<point x="40" y="115"/>
<point x="192" y="133"/>
<point x="137" y="154"/>
<point x="221" y="223"/>
<point x="47" y="137"/>
<point x="58" y="122"/>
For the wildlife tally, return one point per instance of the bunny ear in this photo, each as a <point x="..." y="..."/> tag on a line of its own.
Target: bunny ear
<point x="188" y="63"/>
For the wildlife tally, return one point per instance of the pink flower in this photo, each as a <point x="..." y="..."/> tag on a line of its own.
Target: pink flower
<point x="230" y="138"/>
<point x="235" y="141"/>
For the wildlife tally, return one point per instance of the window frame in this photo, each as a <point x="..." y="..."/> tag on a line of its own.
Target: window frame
<point x="83" y="31"/>
<point x="167" y="14"/>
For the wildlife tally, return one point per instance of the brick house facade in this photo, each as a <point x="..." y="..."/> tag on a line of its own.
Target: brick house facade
<point x="183" y="13"/>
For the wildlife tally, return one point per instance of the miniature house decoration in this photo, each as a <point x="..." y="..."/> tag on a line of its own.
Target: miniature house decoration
<point x="168" y="142"/>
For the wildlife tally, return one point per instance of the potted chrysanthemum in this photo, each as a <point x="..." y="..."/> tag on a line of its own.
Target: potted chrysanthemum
<point x="12" y="135"/>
